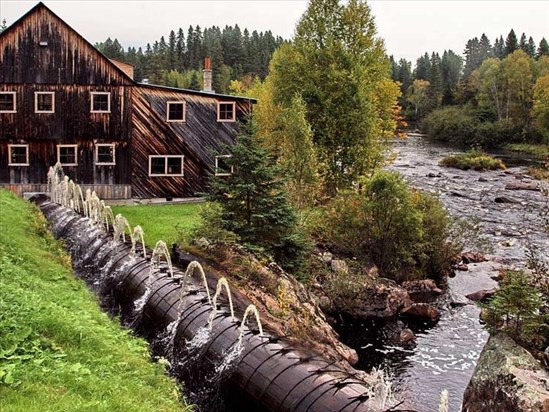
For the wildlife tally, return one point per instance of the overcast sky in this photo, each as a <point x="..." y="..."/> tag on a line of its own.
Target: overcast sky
<point x="409" y="27"/>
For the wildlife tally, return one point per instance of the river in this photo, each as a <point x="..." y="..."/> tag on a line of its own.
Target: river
<point x="445" y="354"/>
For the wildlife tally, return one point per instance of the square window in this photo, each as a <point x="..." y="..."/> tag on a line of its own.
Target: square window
<point x="100" y="102"/>
<point x="175" y="112"/>
<point x="67" y="154"/>
<point x="166" y="165"/>
<point x="226" y="112"/>
<point x="7" y="102"/>
<point x="18" y="154"/>
<point x="44" y="102"/>
<point x="221" y="166"/>
<point x="105" y="154"/>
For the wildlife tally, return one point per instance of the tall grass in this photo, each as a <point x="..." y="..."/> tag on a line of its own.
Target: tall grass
<point x="58" y="350"/>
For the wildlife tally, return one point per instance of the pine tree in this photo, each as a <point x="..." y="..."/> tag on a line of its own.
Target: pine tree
<point x="180" y="50"/>
<point x="523" y="43"/>
<point x="3" y="25"/>
<point x="499" y="48"/>
<point x="511" y="43"/>
<point x="472" y="56"/>
<point x="485" y="48"/>
<point x="543" y="49"/>
<point x="171" y="57"/>
<point x="435" y="90"/>
<point x="255" y="204"/>
<point x="423" y="67"/>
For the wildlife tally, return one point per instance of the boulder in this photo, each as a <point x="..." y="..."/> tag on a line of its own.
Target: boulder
<point x="507" y="378"/>
<point x="406" y="337"/>
<point x="424" y="290"/>
<point x="376" y="301"/>
<point x="325" y="303"/>
<point x="520" y="185"/>
<point x="339" y="267"/>
<point x="471" y="257"/>
<point x="463" y="267"/>
<point x="422" y="311"/>
<point x="481" y="295"/>
<point x="326" y="257"/>
<point x="505" y="199"/>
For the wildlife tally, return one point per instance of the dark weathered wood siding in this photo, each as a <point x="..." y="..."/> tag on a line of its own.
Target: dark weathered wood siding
<point x="200" y="138"/>
<point x="71" y="68"/>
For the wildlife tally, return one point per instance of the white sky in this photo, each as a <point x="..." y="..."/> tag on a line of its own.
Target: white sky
<point x="409" y="27"/>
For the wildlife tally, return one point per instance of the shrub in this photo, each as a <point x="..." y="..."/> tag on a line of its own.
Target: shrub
<point x="451" y="124"/>
<point x="403" y="231"/>
<point x="515" y="310"/>
<point x="473" y="159"/>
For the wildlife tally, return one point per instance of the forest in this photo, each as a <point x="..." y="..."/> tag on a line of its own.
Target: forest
<point x="495" y="94"/>
<point x="178" y="61"/>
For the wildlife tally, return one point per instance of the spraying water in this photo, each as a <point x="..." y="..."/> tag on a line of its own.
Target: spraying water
<point x="251" y="309"/>
<point x="194" y="267"/>
<point x="138" y="235"/>
<point x="220" y="284"/>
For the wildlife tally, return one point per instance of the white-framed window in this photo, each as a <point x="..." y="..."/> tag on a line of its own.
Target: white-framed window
<point x="221" y="166"/>
<point x="67" y="154"/>
<point x="8" y="102"/>
<point x="226" y="111"/>
<point x="100" y="102"/>
<point x="18" y="155"/>
<point x="105" y="154"/>
<point x="170" y="165"/>
<point x="44" y="102"/>
<point x="175" y="111"/>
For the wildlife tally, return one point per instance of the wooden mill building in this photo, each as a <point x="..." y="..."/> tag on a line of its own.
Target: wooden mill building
<point x="61" y="100"/>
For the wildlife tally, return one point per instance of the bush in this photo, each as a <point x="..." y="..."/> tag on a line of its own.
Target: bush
<point x="451" y="124"/>
<point x="515" y="310"/>
<point x="473" y="159"/>
<point x="403" y="231"/>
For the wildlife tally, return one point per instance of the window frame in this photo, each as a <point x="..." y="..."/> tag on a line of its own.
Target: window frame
<point x="96" y="157"/>
<point x="36" y="102"/>
<point x="75" y="147"/>
<point x="10" y="162"/>
<point x="166" y="157"/>
<point x="14" y="94"/>
<point x="219" y="119"/>
<point x="217" y="166"/>
<point x="184" y="103"/>
<point x="92" y="97"/>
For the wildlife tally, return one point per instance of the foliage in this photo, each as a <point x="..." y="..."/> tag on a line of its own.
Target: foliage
<point x="210" y="226"/>
<point x="339" y="68"/>
<point x="169" y="223"/>
<point x="540" y="151"/>
<point x="234" y="53"/>
<point x="540" y="110"/>
<point x="403" y="231"/>
<point x="515" y="310"/>
<point x="474" y="159"/>
<point x="255" y="205"/>
<point x="58" y="350"/>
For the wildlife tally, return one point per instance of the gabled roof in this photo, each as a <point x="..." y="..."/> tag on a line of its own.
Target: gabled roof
<point x="42" y="6"/>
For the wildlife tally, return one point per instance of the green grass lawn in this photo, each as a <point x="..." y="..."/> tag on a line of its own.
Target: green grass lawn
<point x="58" y="350"/>
<point x="161" y="222"/>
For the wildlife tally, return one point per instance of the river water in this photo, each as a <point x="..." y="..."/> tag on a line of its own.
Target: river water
<point x="445" y="354"/>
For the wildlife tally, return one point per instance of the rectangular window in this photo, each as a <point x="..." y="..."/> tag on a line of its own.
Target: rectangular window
<point x="7" y="102"/>
<point x="67" y="154"/>
<point x="171" y="165"/>
<point x="105" y="154"/>
<point x="175" y="111"/>
<point x="44" y="102"/>
<point x="221" y="166"/>
<point x="18" y="155"/>
<point x="100" y="102"/>
<point x="226" y="112"/>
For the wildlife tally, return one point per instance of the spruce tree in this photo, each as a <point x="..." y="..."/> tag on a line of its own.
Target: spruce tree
<point x="511" y="43"/>
<point x="254" y="202"/>
<point x="543" y="49"/>
<point x="531" y="47"/>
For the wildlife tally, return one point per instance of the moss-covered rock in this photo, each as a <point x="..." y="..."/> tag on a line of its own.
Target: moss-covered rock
<point x="507" y="378"/>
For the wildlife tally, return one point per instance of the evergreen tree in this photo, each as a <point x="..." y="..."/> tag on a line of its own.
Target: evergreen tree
<point x="195" y="83"/>
<point x="180" y="50"/>
<point x="499" y="48"/>
<point x="423" y="67"/>
<point x="255" y="204"/>
<point x="3" y="25"/>
<point x="543" y="49"/>
<point x="435" y="90"/>
<point x="171" y="57"/>
<point x="451" y="70"/>
<point x="511" y="43"/>
<point x="523" y="43"/>
<point x="472" y="54"/>
<point x="485" y="49"/>
<point x="404" y="74"/>
<point x="531" y="47"/>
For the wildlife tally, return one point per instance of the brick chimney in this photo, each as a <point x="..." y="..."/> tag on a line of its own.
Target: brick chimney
<point x="207" y="75"/>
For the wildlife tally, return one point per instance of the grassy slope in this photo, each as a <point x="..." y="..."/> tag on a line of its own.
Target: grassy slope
<point x="537" y="150"/>
<point x="161" y="222"/>
<point x="58" y="350"/>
